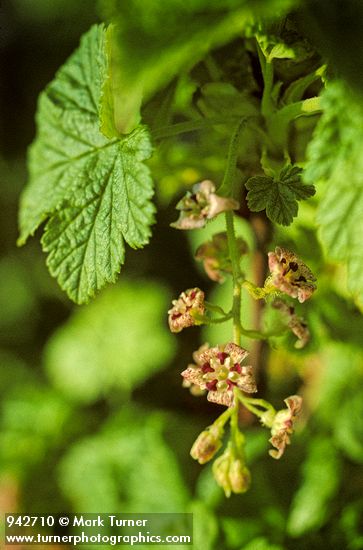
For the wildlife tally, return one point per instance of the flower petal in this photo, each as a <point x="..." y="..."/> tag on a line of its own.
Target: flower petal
<point x="247" y="382"/>
<point x="194" y="376"/>
<point x="222" y="398"/>
<point x="236" y="352"/>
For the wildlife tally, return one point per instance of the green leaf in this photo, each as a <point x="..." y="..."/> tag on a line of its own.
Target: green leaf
<point x="34" y="421"/>
<point x="348" y="427"/>
<point x="273" y="48"/>
<point x="221" y="98"/>
<point x="240" y="531"/>
<point x="108" y="346"/>
<point x="295" y="91"/>
<point x="279" y="195"/>
<point x="261" y="543"/>
<point x="320" y="483"/>
<point x="282" y="41"/>
<point x="351" y="522"/>
<point x="205" y="526"/>
<point x="335" y="161"/>
<point x="128" y="467"/>
<point x="155" y="41"/>
<point x="341" y="375"/>
<point x="107" y="107"/>
<point x="95" y="191"/>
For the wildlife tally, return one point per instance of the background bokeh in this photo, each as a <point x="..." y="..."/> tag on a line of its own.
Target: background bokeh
<point x="93" y="415"/>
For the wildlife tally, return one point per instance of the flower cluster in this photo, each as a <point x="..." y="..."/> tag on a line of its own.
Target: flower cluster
<point x="186" y="309"/>
<point x="290" y="275"/>
<point x="200" y="205"/>
<point x="282" y="424"/>
<point x="215" y="256"/>
<point x="219" y="370"/>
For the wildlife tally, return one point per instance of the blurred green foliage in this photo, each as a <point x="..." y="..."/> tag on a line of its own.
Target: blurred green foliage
<point x="93" y="416"/>
<point x="108" y="345"/>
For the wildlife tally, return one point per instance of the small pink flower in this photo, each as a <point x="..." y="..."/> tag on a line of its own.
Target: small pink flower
<point x="200" y="205"/>
<point x="190" y="302"/>
<point x="290" y="275"/>
<point x="283" y="424"/>
<point x="219" y="370"/>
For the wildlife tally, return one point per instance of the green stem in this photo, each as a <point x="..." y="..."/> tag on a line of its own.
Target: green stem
<point x="258" y="335"/>
<point x="204" y="320"/>
<point x="221" y="319"/>
<point x="222" y="419"/>
<point x="252" y="404"/>
<point x="216" y="309"/>
<point x="253" y="409"/>
<point x="254" y="334"/>
<point x="189" y="126"/>
<point x="258" y="402"/>
<point x="234" y="420"/>
<point x="237" y="439"/>
<point x="266" y="102"/>
<point x="228" y="188"/>
<point x="236" y="272"/>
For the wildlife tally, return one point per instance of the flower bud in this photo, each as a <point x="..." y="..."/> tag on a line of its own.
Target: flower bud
<point x="239" y="476"/>
<point x="221" y="472"/>
<point x="231" y="473"/>
<point x="206" y="445"/>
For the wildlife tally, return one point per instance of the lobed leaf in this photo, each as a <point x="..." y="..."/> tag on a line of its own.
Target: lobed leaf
<point x="278" y="196"/>
<point x="94" y="189"/>
<point x="335" y="160"/>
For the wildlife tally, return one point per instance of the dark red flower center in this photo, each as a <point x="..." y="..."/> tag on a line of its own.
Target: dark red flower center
<point x="176" y="316"/>
<point x="222" y="357"/>
<point x="206" y="368"/>
<point x="236" y="367"/>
